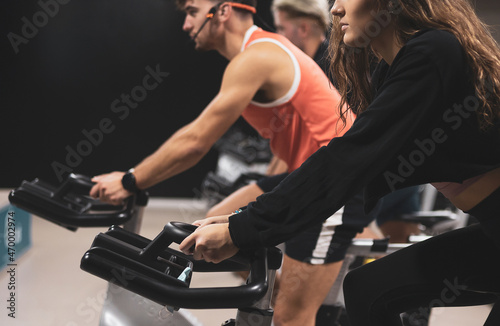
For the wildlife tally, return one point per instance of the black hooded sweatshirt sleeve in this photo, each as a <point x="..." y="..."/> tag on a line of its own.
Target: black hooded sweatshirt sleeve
<point x="421" y="127"/>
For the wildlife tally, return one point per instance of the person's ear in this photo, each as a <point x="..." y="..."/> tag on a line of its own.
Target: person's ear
<point x="225" y="11"/>
<point x="304" y="28"/>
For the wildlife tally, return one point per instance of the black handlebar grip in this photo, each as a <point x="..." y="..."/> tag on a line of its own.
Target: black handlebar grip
<point x="172" y="232"/>
<point x="76" y="183"/>
<point x="177" y="232"/>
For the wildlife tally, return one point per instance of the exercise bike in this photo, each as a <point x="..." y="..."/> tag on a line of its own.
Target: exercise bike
<point x="242" y="159"/>
<point x="69" y="206"/>
<point x="155" y="271"/>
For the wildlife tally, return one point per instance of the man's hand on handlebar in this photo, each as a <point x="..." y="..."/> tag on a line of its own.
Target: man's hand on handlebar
<point x="109" y="189"/>
<point x="211" y="243"/>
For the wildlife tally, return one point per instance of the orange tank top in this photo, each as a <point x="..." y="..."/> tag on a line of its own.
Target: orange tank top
<point x="305" y="118"/>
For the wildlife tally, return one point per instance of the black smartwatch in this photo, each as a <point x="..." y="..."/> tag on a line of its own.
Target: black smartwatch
<point x="128" y="181"/>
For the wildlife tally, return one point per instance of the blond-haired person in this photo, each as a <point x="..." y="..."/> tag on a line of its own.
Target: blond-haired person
<point x="306" y="24"/>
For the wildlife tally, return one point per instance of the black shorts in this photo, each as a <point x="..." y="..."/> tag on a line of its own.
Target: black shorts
<point x="327" y="242"/>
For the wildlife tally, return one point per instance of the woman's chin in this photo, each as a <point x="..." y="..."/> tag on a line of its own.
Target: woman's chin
<point x="356" y="42"/>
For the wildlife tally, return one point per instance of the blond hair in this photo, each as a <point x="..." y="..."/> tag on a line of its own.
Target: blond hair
<point x="315" y="9"/>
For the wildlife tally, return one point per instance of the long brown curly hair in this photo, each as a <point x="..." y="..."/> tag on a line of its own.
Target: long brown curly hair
<point x="351" y="66"/>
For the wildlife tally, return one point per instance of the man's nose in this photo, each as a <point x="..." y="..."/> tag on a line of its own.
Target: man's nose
<point x="187" y="26"/>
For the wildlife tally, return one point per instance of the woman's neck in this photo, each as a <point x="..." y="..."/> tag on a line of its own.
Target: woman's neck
<point x="387" y="44"/>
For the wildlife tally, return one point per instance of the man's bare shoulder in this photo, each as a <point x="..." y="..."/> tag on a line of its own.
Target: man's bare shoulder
<point x="264" y="55"/>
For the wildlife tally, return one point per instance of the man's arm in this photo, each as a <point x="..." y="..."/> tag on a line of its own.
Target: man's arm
<point x="243" y="77"/>
<point x="276" y="166"/>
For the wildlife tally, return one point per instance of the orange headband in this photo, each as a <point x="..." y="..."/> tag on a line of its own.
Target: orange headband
<point x="242" y="6"/>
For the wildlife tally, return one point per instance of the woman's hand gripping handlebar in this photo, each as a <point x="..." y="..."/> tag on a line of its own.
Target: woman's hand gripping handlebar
<point x="211" y="241"/>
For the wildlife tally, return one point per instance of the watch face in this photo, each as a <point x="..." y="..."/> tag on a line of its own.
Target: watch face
<point x="128" y="181"/>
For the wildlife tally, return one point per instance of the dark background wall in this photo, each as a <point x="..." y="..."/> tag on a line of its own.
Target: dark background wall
<point x="70" y="68"/>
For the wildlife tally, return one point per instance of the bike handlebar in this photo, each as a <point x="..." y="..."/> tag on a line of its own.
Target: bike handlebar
<point x="70" y="206"/>
<point x="152" y="270"/>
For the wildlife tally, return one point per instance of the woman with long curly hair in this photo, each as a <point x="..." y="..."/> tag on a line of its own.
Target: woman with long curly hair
<point x="430" y="113"/>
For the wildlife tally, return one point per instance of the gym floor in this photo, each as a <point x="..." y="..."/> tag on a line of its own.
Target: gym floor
<point x="53" y="291"/>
